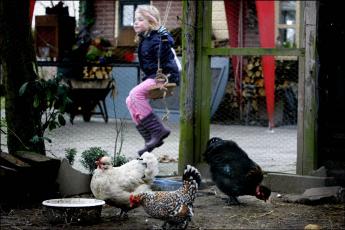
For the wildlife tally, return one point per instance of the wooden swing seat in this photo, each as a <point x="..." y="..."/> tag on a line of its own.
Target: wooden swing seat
<point x="157" y="92"/>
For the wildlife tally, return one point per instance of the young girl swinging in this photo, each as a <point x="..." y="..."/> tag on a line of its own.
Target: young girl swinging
<point x="154" y="51"/>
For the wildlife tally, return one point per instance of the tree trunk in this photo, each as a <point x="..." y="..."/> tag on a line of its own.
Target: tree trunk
<point x="19" y="63"/>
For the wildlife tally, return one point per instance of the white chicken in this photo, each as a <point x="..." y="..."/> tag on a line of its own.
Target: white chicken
<point x="115" y="184"/>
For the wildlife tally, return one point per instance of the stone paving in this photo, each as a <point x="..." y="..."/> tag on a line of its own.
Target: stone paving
<point x="274" y="151"/>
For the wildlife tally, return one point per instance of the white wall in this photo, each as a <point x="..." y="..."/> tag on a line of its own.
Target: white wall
<point x="219" y="26"/>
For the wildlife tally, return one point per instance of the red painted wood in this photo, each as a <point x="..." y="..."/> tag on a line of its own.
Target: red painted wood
<point x="32" y="7"/>
<point x="265" y="12"/>
<point x="232" y="17"/>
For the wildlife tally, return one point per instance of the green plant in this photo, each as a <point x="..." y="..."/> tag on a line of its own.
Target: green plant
<point x="50" y="101"/>
<point x="120" y="128"/>
<point x="2" y="102"/>
<point x="89" y="157"/>
<point x="70" y="155"/>
<point x="119" y="160"/>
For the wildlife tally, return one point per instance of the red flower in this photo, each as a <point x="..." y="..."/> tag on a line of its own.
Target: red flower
<point x="128" y="56"/>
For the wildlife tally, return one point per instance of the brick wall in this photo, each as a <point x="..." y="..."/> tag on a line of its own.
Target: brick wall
<point x="105" y="12"/>
<point x="105" y="19"/>
<point x="174" y="11"/>
<point x="220" y="30"/>
<point x="251" y="37"/>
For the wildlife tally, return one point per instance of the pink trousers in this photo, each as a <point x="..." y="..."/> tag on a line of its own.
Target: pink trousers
<point x="138" y="102"/>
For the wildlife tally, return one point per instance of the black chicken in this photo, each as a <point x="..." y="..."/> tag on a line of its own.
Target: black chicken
<point x="233" y="172"/>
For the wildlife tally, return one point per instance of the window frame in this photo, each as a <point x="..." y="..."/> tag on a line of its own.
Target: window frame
<point x="295" y="26"/>
<point x="135" y="3"/>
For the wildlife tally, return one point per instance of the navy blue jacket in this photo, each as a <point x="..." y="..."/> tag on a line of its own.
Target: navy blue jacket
<point x="148" y="50"/>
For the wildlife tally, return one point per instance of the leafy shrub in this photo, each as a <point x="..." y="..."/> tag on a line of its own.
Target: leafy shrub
<point x="50" y="100"/>
<point x="70" y="155"/>
<point x="119" y="160"/>
<point x="90" y="156"/>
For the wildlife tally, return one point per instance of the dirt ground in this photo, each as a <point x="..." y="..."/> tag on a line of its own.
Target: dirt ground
<point x="210" y="212"/>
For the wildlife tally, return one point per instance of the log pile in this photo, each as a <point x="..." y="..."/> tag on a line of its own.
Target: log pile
<point x="95" y="72"/>
<point x="253" y="82"/>
<point x="248" y="97"/>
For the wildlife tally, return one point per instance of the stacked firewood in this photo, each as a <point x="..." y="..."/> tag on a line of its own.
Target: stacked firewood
<point x="95" y="72"/>
<point x="253" y="81"/>
<point x="232" y="95"/>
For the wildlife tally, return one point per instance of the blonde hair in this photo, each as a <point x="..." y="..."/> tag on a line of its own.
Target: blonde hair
<point x="151" y="14"/>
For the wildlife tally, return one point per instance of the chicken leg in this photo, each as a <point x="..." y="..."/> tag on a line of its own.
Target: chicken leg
<point x="123" y="214"/>
<point x="232" y="200"/>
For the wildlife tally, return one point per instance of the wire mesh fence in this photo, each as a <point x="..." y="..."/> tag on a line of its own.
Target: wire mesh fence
<point x="242" y="114"/>
<point x="238" y="113"/>
<point x="260" y="100"/>
<point x="239" y="106"/>
<point x="245" y="103"/>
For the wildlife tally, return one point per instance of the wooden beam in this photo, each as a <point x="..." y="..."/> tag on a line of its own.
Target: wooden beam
<point x="187" y="94"/>
<point x="203" y="78"/>
<point x="195" y="90"/>
<point x="307" y="103"/>
<point x="250" y="51"/>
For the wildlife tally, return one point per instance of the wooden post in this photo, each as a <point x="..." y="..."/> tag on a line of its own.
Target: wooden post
<point x="195" y="91"/>
<point x="203" y="80"/>
<point x="186" y="147"/>
<point x="307" y="104"/>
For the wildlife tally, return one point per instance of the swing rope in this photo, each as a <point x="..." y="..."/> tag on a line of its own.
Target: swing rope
<point x="160" y="77"/>
<point x="167" y="9"/>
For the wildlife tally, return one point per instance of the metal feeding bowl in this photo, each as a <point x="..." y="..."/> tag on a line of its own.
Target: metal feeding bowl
<point x="73" y="210"/>
<point x="163" y="184"/>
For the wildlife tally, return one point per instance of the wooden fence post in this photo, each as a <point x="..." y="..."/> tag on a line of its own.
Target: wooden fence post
<point x="307" y="107"/>
<point x="195" y="94"/>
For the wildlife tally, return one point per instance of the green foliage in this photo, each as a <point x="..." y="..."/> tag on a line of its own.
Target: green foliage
<point x="70" y="154"/>
<point x="288" y="44"/>
<point x="50" y="100"/>
<point x="93" y="53"/>
<point x="2" y="102"/>
<point x="86" y="13"/>
<point x="119" y="160"/>
<point x="3" y="123"/>
<point x="90" y="156"/>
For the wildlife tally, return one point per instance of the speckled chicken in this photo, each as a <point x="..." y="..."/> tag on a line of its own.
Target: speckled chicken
<point x="174" y="207"/>
<point x="233" y="172"/>
<point x="115" y="184"/>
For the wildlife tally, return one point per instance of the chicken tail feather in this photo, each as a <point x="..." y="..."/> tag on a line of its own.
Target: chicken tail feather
<point x="191" y="173"/>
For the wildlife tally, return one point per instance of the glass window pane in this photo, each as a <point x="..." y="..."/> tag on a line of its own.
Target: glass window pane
<point x="127" y="15"/>
<point x="287" y="38"/>
<point x="287" y="12"/>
